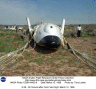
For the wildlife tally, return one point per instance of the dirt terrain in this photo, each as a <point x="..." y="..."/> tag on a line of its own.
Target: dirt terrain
<point x="61" y="62"/>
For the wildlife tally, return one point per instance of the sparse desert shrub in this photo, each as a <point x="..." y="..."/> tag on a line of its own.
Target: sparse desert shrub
<point x="2" y="34"/>
<point x="87" y="34"/>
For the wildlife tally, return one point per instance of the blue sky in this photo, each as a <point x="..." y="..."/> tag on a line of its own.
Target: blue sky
<point x="52" y="11"/>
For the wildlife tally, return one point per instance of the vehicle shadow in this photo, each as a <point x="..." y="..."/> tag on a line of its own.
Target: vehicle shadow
<point x="42" y="49"/>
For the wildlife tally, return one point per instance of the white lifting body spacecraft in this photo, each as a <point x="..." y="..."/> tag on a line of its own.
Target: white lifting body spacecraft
<point x="47" y="34"/>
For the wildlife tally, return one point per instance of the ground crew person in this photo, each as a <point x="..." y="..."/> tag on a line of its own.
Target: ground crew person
<point x="16" y="28"/>
<point x="78" y="31"/>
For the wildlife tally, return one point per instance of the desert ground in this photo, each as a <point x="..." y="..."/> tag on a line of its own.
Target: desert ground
<point x="51" y="62"/>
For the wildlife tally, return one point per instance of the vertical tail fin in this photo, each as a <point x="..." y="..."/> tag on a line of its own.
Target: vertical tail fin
<point x="29" y="25"/>
<point x="63" y="25"/>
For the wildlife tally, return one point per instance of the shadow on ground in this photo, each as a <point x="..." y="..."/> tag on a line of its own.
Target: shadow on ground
<point x="42" y="49"/>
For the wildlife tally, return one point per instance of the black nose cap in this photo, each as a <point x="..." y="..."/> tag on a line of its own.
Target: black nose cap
<point x="51" y="41"/>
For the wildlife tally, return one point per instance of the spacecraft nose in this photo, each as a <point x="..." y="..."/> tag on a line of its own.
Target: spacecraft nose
<point x="51" y="41"/>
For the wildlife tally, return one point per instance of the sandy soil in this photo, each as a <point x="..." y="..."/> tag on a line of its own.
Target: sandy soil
<point x="60" y="62"/>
